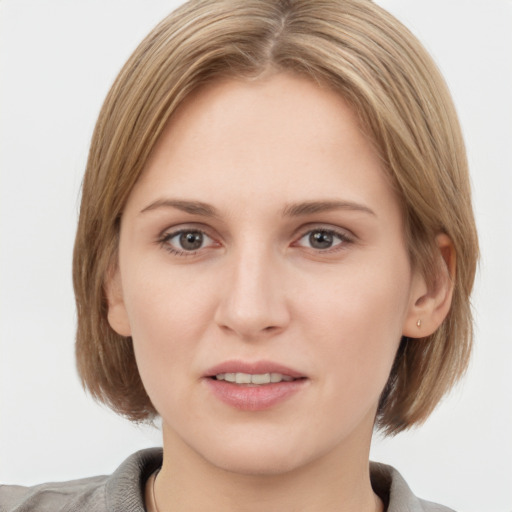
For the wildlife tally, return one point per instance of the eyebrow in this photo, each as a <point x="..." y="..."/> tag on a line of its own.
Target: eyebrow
<point x="291" y="210"/>
<point x="310" y="207"/>
<point x="192" y="207"/>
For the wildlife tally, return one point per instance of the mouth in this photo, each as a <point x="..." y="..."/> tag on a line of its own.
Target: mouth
<point x="254" y="386"/>
<point x="254" y="379"/>
<point x="255" y="373"/>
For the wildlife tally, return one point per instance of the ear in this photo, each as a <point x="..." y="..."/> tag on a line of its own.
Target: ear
<point x="431" y="303"/>
<point x="117" y="314"/>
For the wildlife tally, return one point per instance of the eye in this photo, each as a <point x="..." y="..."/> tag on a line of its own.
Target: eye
<point x="186" y="241"/>
<point x="322" y="239"/>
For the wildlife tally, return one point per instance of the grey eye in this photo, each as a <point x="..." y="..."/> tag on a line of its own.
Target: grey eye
<point x="322" y="239"/>
<point x="191" y="240"/>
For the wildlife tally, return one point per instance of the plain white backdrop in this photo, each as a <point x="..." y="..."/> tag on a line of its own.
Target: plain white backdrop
<point x="57" y="61"/>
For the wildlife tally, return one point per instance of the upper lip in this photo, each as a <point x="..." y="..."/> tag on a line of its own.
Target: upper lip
<point x="253" y="368"/>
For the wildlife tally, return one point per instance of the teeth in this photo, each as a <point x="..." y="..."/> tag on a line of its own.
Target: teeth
<point x="258" y="378"/>
<point x="264" y="378"/>
<point x="243" y="378"/>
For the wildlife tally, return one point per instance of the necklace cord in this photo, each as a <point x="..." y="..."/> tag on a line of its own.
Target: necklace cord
<point x="155" y="474"/>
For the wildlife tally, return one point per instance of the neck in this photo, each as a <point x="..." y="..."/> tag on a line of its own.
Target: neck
<point x="337" y="481"/>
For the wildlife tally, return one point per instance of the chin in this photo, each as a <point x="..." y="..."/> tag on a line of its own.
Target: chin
<point x="258" y="457"/>
<point x="261" y="464"/>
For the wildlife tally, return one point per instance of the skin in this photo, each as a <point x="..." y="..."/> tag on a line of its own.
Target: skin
<point x="259" y="289"/>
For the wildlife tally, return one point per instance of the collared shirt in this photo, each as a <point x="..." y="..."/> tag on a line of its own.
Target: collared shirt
<point x="123" y="491"/>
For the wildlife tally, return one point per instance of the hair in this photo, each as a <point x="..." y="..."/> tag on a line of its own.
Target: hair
<point x="374" y="62"/>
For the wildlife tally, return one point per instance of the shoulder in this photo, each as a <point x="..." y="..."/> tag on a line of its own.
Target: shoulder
<point x="120" y="492"/>
<point x="55" y="496"/>
<point x="389" y="484"/>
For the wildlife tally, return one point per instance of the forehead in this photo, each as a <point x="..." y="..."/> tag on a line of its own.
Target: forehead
<point x="282" y="136"/>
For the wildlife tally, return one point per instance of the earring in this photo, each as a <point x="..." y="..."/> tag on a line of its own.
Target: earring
<point x="418" y="323"/>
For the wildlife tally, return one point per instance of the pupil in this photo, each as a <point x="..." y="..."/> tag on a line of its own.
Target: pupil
<point x="320" y="240"/>
<point x="191" y="240"/>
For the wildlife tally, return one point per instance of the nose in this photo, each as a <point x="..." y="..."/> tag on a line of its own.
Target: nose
<point x="253" y="300"/>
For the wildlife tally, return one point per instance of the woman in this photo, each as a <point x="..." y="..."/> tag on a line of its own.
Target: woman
<point x="275" y="253"/>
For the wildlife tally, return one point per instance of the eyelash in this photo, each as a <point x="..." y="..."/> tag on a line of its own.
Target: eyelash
<point x="343" y="237"/>
<point x="164" y="241"/>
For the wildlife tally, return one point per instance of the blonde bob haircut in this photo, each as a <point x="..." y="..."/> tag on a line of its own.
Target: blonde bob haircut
<point x="353" y="47"/>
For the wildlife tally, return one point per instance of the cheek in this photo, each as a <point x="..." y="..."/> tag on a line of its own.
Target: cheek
<point x="162" y="300"/>
<point x="168" y="316"/>
<point x="356" y="320"/>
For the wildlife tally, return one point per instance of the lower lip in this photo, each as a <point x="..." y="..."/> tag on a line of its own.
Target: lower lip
<point x="254" y="398"/>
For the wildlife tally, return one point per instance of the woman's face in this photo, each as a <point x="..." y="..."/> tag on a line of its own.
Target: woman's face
<point x="262" y="243"/>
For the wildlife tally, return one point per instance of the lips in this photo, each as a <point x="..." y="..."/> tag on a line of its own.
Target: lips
<point x="254" y="368"/>
<point x="254" y="378"/>
<point x="253" y="386"/>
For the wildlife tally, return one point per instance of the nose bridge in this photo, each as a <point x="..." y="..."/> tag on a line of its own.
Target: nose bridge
<point x="253" y="301"/>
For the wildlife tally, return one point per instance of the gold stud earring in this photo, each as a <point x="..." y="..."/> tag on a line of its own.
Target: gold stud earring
<point x="418" y="323"/>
